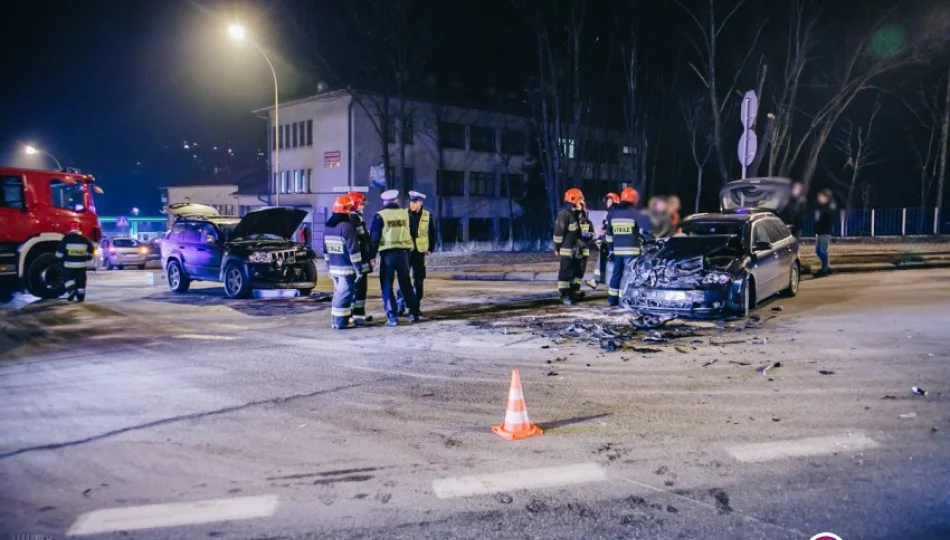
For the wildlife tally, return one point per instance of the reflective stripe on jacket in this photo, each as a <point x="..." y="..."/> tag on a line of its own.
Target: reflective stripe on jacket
<point x="341" y="246"/>
<point x="623" y="231"/>
<point x="74" y="250"/>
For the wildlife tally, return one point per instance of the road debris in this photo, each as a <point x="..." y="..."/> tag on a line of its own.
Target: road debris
<point x="711" y="362"/>
<point x="918" y="391"/>
<point x="777" y="308"/>
<point x="552" y="374"/>
<point x="740" y="363"/>
<point x="758" y="341"/>
<point x="765" y="370"/>
<point x="724" y="341"/>
<point x="609" y="345"/>
<point x="645" y="350"/>
<point x="649" y="322"/>
<point x="889" y="397"/>
<point x="908" y="416"/>
<point x="682" y="349"/>
<point x="654" y="336"/>
<point x="826" y="372"/>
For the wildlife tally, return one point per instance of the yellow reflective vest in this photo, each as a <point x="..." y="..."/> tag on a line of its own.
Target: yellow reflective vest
<point x="395" y="229"/>
<point x="422" y="233"/>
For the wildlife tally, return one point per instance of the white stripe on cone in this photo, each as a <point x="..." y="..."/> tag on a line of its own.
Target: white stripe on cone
<point x="516" y="418"/>
<point x="515" y="393"/>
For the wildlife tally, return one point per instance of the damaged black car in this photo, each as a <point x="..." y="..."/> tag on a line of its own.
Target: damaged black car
<point x="253" y="252"/>
<point x="722" y="264"/>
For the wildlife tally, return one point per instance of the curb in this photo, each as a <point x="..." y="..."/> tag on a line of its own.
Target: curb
<point x="552" y="276"/>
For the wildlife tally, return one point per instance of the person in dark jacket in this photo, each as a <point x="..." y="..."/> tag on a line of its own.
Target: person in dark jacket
<point x="602" y="272"/>
<point x="356" y="218"/>
<point x="74" y="251"/>
<point x="422" y="230"/>
<point x="571" y="246"/>
<point x="623" y="240"/>
<point x="390" y="237"/>
<point x="824" y="226"/>
<point x="794" y="213"/>
<point x="341" y="247"/>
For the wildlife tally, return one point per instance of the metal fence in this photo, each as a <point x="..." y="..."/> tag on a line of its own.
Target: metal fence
<point x="886" y="222"/>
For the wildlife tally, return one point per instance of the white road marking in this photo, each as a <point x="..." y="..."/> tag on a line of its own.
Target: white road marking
<point x="813" y="446"/>
<point x="134" y="518"/>
<point x="203" y="336"/>
<point x="466" y="486"/>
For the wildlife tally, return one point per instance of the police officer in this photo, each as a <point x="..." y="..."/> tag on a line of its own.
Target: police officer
<point x="623" y="240"/>
<point x="74" y="251"/>
<point x="422" y="230"/>
<point x="572" y="230"/>
<point x="342" y="248"/>
<point x="362" y="235"/>
<point x="391" y="239"/>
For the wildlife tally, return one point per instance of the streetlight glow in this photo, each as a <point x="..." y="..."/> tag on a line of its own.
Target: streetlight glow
<point x="237" y="31"/>
<point x="30" y="150"/>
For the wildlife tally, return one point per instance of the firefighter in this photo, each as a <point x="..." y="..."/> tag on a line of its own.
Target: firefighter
<point x="623" y="239"/>
<point x="74" y="251"/>
<point x="601" y="273"/>
<point x="342" y="248"/>
<point x="570" y="245"/>
<point x="391" y="239"/>
<point x="362" y="235"/>
<point x="422" y="230"/>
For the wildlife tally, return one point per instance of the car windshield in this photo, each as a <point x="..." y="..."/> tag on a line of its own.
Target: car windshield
<point x="124" y="242"/>
<point x="227" y="227"/>
<point x="709" y="228"/>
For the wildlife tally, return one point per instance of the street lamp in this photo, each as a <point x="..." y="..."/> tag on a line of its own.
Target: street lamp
<point x="135" y="211"/>
<point x="239" y="33"/>
<point x="32" y="150"/>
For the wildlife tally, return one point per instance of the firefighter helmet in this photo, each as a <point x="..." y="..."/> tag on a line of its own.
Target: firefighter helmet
<point x="612" y="197"/>
<point x="629" y="195"/>
<point x="356" y="198"/>
<point x="343" y="205"/>
<point x="573" y="196"/>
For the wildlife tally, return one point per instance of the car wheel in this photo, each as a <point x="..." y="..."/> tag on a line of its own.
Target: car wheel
<point x="141" y="267"/>
<point x="44" y="278"/>
<point x="177" y="280"/>
<point x="120" y="267"/>
<point x="236" y="284"/>
<point x="109" y="265"/>
<point x="794" y="278"/>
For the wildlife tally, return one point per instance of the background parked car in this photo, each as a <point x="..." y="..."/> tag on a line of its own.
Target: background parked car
<point x="122" y="252"/>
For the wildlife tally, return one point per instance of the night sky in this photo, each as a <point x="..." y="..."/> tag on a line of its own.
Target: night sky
<point x="116" y="87"/>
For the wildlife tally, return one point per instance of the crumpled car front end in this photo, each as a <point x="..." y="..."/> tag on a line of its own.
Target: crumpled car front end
<point x="676" y="279"/>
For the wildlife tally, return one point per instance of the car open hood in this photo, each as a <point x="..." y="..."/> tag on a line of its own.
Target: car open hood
<point x="189" y="209"/>
<point x="277" y="221"/>
<point x="770" y="194"/>
<point x="691" y="247"/>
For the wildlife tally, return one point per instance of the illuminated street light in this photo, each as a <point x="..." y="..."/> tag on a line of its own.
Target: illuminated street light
<point x="32" y="150"/>
<point x="135" y="211"/>
<point x="239" y="33"/>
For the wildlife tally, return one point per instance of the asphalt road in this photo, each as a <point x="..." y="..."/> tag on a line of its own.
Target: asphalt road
<point x="146" y="415"/>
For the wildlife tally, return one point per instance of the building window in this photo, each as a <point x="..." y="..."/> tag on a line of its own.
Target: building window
<point x="451" y="183"/>
<point x="452" y="135"/>
<point x="481" y="229"/>
<point x="280" y="136"/>
<point x="516" y="181"/>
<point x="512" y="142"/>
<point x="287" y="136"/>
<point x="273" y="139"/>
<point x="503" y="229"/>
<point x="407" y="130"/>
<point x="309" y="132"/>
<point x="294" y="129"/>
<point x="451" y="230"/>
<point x="483" y="139"/>
<point x="308" y="183"/>
<point x="627" y="150"/>
<point x="481" y="184"/>
<point x="567" y="147"/>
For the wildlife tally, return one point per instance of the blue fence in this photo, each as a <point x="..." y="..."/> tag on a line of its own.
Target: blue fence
<point x="886" y="222"/>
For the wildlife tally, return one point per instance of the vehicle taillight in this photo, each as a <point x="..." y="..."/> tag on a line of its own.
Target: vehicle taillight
<point x="112" y="250"/>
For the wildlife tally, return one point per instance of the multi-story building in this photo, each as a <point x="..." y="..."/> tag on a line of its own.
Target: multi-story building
<point x="469" y="163"/>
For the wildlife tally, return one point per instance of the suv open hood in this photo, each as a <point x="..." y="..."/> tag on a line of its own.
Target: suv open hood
<point x="281" y="222"/>
<point x="189" y="209"/>
<point x="770" y="194"/>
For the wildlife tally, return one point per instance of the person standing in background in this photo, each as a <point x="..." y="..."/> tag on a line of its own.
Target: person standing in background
<point x="824" y="226"/>
<point x="660" y="225"/>
<point x="794" y="213"/>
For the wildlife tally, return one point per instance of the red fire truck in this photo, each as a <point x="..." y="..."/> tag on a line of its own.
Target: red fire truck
<point x="36" y="209"/>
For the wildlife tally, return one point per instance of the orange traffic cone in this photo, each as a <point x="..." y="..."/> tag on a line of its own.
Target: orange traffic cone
<point x="516" y="426"/>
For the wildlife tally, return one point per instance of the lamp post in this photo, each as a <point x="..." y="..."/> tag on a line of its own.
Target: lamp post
<point x="31" y="150"/>
<point x="239" y="33"/>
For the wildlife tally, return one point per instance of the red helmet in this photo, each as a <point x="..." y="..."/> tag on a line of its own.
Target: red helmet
<point x="357" y="198"/>
<point x="612" y="197"/>
<point x="573" y="196"/>
<point x="343" y="205"/>
<point x="629" y="195"/>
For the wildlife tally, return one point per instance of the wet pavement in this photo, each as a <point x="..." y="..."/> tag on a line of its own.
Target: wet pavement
<point x="194" y="416"/>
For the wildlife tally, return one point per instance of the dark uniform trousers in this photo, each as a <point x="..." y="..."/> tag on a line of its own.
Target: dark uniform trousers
<point x="394" y="263"/>
<point x="570" y="275"/>
<point x="75" y="281"/>
<point x="359" y="303"/>
<point x="417" y="267"/>
<point x="344" y="290"/>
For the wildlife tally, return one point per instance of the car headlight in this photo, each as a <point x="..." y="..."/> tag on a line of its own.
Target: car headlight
<point x="259" y="257"/>
<point x="716" y="278"/>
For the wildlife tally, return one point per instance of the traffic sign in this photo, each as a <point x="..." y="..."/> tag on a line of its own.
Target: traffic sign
<point x="750" y="109"/>
<point x="121" y="221"/>
<point x="748" y="144"/>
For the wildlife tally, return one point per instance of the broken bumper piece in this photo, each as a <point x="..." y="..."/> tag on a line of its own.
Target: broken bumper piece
<point x="695" y="304"/>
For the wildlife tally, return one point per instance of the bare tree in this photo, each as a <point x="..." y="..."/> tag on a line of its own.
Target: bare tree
<point x="944" y="128"/>
<point x="925" y="140"/>
<point x="709" y="25"/>
<point x="696" y="121"/>
<point x="855" y="145"/>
